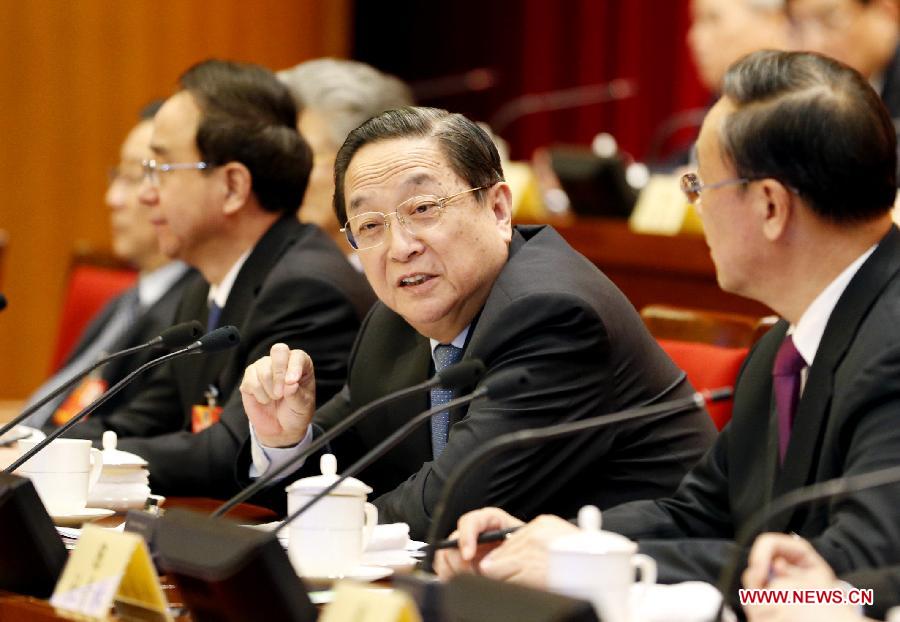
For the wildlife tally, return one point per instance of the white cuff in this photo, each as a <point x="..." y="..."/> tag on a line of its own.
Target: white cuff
<point x="266" y="458"/>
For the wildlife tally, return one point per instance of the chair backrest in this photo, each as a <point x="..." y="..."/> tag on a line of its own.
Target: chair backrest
<point x="93" y="280"/>
<point x="699" y="325"/>
<point x="708" y="367"/>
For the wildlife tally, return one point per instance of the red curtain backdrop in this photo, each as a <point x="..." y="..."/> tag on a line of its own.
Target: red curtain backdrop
<point x="534" y="46"/>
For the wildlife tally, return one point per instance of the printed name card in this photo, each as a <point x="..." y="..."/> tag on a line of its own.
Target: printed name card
<point x="108" y="566"/>
<point x="357" y="603"/>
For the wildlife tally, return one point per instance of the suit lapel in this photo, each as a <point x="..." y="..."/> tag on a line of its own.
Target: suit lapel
<point x="496" y="303"/>
<point x="255" y="270"/>
<point x="843" y="324"/>
<point x="219" y="368"/>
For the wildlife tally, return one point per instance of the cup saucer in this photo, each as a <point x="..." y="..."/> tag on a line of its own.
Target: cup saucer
<point x="79" y="517"/>
<point x="360" y="573"/>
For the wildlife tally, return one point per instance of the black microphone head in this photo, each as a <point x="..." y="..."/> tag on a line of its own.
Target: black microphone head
<point x="718" y="395"/>
<point x="2" y="302"/>
<point x="463" y="374"/>
<point x="182" y="334"/>
<point x="507" y="383"/>
<point x="222" y="338"/>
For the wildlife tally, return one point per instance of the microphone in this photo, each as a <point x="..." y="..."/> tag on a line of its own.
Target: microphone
<point x="563" y="99"/>
<point x="440" y="526"/>
<point x="176" y="336"/>
<point x="502" y="384"/>
<point x="462" y="374"/>
<point x="2" y="302"/>
<point x="471" y="81"/>
<point x="829" y="489"/>
<point x="219" y="339"/>
<point x="214" y="561"/>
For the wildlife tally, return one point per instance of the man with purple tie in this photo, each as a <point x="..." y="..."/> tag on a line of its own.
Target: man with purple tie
<point x="796" y="176"/>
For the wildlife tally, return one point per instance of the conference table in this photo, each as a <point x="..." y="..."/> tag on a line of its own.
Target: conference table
<point x="14" y="607"/>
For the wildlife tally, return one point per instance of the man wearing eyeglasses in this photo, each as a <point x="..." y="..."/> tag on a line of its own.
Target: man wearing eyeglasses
<point x="222" y="189"/>
<point x="135" y="316"/>
<point x="422" y="196"/>
<point x="797" y="162"/>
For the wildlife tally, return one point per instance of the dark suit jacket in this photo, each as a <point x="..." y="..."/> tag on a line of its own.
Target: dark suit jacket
<point x="296" y="287"/>
<point x="152" y="322"/>
<point x="846" y="424"/>
<point x="885" y="585"/>
<point x="890" y="87"/>
<point x="552" y="312"/>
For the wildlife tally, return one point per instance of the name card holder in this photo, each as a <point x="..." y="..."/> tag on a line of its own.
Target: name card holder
<point x="354" y="602"/>
<point x="109" y="567"/>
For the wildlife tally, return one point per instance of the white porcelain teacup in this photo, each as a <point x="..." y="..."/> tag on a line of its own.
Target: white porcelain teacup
<point x="63" y="473"/>
<point x="328" y="540"/>
<point x="598" y="566"/>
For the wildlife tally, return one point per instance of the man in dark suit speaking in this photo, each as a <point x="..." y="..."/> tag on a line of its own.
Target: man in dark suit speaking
<point x="422" y="194"/>
<point x="797" y="160"/>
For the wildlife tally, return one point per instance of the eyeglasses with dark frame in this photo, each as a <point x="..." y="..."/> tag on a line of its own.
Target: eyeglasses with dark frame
<point x="152" y="168"/>
<point x="415" y="215"/>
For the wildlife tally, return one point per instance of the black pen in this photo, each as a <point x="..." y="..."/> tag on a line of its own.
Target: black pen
<point x="485" y="537"/>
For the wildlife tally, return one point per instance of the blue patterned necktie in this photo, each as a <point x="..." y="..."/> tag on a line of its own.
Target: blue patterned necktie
<point x="212" y="320"/>
<point x="444" y="356"/>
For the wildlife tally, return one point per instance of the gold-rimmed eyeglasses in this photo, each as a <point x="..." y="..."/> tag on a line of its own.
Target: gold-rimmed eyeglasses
<point x="415" y="215"/>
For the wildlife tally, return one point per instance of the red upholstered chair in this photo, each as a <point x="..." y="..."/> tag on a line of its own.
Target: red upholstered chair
<point x="709" y="346"/>
<point x="94" y="279"/>
<point x="708" y="367"/>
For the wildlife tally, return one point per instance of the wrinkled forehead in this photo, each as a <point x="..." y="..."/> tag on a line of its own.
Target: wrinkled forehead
<point x="383" y="174"/>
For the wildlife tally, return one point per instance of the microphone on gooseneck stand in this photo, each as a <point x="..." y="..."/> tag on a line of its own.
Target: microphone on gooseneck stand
<point x="463" y="374"/>
<point x="442" y="521"/>
<point x="219" y="339"/>
<point x="829" y="489"/>
<point x="220" y="567"/>
<point x="502" y="384"/>
<point x="176" y="336"/>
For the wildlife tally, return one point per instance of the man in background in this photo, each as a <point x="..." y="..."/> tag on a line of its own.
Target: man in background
<point x="864" y="34"/>
<point x="333" y="97"/>
<point x="135" y="316"/>
<point x="228" y="172"/>
<point x="722" y="31"/>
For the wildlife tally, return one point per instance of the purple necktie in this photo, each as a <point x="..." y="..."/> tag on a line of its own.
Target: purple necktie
<point x="786" y="380"/>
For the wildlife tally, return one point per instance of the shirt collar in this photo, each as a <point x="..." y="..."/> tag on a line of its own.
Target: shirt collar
<point x="459" y="341"/>
<point x="218" y="293"/>
<point x="153" y="285"/>
<point x="808" y="331"/>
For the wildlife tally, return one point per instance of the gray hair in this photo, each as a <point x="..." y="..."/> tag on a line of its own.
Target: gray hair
<point x="347" y="92"/>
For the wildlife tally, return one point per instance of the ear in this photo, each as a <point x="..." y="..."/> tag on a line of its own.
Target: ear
<point x="775" y="205"/>
<point x="500" y="201"/>
<point x="238" y="186"/>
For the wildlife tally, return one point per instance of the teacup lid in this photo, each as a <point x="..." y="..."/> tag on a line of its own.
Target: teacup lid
<point x="113" y="457"/>
<point x="592" y="540"/>
<point x="328" y="465"/>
